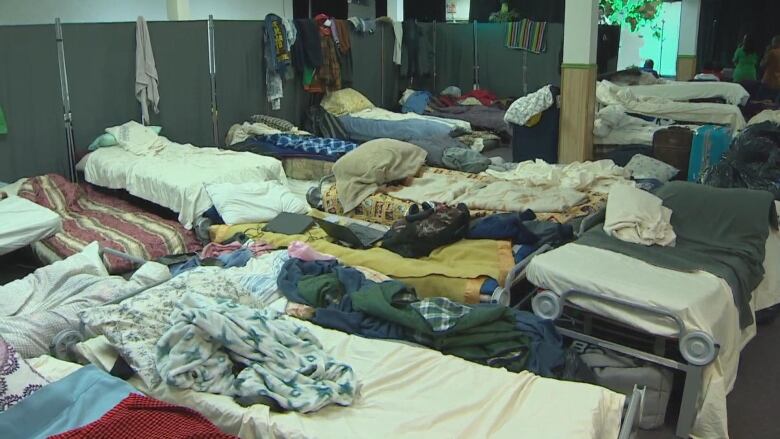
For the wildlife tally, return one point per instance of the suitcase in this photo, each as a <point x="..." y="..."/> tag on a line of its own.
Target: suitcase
<point x="673" y="146"/>
<point x="710" y="143"/>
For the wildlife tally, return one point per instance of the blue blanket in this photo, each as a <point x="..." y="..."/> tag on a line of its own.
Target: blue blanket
<point x="363" y="130"/>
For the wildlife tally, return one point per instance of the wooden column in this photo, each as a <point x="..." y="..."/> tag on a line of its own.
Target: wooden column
<point x="578" y="107"/>
<point x="686" y="67"/>
<point x="689" y="38"/>
<point x="578" y="81"/>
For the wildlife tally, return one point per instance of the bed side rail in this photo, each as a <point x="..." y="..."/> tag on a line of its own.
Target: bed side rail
<point x="635" y="404"/>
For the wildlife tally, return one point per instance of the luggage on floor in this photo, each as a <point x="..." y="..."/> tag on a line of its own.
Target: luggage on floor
<point x="710" y="143"/>
<point x="539" y="141"/>
<point x="673" y="146"/>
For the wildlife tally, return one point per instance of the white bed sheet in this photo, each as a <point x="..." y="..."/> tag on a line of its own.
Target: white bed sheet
<point x="23" y="222"/>
<point x="732" y="93"/>
<point x="702" y="300"/>
<point x="382" y="114"/>
<point x="175" y="177"/>
<point x="411" y="392"/>
<point x="608" y="93"/>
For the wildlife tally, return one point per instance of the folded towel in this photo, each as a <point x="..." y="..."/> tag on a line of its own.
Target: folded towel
<point x="636" y="216"/>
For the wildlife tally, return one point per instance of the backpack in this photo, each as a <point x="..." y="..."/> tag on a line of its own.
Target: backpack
<point x="426" y="228"/>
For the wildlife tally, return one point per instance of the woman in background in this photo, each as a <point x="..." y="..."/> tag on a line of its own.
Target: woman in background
<point x="745" y="60"/>
<point x="771" y="65"/>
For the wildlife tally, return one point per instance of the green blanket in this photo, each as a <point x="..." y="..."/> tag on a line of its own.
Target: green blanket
<point x="486" y="334"/>
<point x="720" y="231"/>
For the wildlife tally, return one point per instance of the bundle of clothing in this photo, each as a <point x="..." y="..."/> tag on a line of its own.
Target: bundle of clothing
<point x="343" y="298"/>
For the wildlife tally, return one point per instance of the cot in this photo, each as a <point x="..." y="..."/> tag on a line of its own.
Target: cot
<point x="695" y="310"/>
<point x="24" y="222"/>
<point x="731" y="93"/>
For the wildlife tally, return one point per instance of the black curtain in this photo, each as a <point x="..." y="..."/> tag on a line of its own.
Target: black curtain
<point x="551" y="11"/>
<point x="428" y="10"/>
<point x="332" y="8"/>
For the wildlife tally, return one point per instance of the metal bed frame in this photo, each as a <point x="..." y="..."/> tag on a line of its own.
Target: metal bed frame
<point x="697" y="348"/>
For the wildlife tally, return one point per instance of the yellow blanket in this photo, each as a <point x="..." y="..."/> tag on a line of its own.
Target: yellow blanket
<point x="455" y="271"/>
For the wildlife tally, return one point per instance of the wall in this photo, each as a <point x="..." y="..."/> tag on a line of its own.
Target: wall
<point x="105" y="11"/>
<point x="363" y="11"/>
<point x="79" y="11"/>
<point x="635" y="48"/>
<point x="239" y="9"/>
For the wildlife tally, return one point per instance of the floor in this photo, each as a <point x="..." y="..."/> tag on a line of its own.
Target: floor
<point x="752" y="405"/>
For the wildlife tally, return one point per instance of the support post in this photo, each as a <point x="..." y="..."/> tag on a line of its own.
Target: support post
<point x="476" y="56"/>
<point x="178" y="10"/>
<point x="578" y="81"/>
<point x="690" y="11"/>
<point x="67" y="116"/>
<point x="213" y="81"/>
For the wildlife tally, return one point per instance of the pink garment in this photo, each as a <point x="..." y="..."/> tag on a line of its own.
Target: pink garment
<point x="213" y="250"/>
<point x="301" y="250"/>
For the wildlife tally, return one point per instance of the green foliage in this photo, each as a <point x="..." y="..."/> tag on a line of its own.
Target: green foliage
<point x="636" y="13"/>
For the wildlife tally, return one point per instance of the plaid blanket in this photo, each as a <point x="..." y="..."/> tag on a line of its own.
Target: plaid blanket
<point x="88" y="215"/>
<point x="309" y="144"/>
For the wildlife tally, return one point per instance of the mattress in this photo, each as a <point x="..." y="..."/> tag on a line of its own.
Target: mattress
<point x="175" y="177"/>
<point x="89" y="215"/>
<point x="306" y="169"/>
<point x="23" y="222"/>
<point x="410" y="392"/>
<point x="385" y="208"/>
<point x="732" y="93"/>
<point x="608" y="93"/>
<point x="702" y="300"/>
<point x="378" y="123"/>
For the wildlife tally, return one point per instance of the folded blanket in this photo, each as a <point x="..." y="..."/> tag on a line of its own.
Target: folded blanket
<point x="283" y="363"/>
<point x="720" y="231"/>
<point x="634" y="215"/>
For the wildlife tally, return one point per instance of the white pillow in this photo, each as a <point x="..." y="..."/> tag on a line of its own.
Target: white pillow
<point x="135" y="138"/>
<point x="642" y="166"/>
<point x="254" y="202"/>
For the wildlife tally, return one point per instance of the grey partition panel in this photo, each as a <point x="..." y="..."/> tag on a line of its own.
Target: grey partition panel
<point x="455" y="56"/>
<point x="392" y="72"/>
<point x="367" y="64"/>
<point x="30" y="97"/>
<point x="101" y="73"/>
<point x="240" y="77"/>
<point x="182" y="58"/>
<point x="514" y="72"/>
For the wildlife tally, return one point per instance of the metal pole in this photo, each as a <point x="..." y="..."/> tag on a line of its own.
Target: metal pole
<point x="434" y="57"/>
<point x="382" y="62"/>
<point x="213" y="80"/>
<point x="67" y="116"/>
<point x="476" y="58"/>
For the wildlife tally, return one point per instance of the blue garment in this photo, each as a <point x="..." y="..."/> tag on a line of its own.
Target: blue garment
<point x="547" y="353"/>
<point x="314" y="145"/>
<point x="490" y="285"/>
<point x="213" y="215"/>
<point x="78" y="399"/>
<point x="341" y="316"/>
<point x="504" y="226"/>
<point x="417" y="102"/>
<point x="363" y="130"/>
<point x="238" y="258"/>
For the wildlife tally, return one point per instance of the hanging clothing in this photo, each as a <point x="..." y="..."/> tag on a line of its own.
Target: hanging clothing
<point x="284" y="364"/>
<point x="344" y="51"/>
<point x="146" y="78"/>
<point x="328" y="76"/>
<point x="398" y="30"/>
<point x="277" y="59"/>
<point x="307" y="52"/>
<point x="526" y="35"/>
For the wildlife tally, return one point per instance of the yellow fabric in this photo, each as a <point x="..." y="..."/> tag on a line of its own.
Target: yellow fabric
<point x="345" y="101"/>
<point x="534" y="120"/>
<point x="454" y="271"/>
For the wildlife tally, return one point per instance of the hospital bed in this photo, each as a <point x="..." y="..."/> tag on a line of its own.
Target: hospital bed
<point x="598" y="296"/>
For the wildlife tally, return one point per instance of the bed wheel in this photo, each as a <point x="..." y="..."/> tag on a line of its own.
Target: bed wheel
<point x="698" y="348"/>
<point x="547" y="305"/>
<point x="63" y="343"/>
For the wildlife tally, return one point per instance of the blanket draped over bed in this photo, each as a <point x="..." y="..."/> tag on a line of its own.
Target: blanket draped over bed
<point x="89" y="215"/>
<point x="720" y="231"/>
<point x="284" y="365"/>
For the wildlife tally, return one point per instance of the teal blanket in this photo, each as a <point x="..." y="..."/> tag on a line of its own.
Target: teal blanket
<point x="720" y="231"/>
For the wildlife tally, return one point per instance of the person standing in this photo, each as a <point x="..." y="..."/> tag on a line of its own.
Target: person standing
<point x="745" y="60"/>
<point x="771" y="65"/>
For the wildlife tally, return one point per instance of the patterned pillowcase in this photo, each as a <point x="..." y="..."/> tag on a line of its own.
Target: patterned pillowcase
<point x="642" y="167"/>
<point x="18" y="380"/>
<point x="134" y="326"/>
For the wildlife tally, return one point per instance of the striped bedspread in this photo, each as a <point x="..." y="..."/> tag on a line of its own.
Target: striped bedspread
<point x="526" y="35"/>
<point x="89" y="215"/>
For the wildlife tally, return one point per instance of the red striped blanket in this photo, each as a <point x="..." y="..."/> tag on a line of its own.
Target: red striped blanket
<point x="89" y="215"/>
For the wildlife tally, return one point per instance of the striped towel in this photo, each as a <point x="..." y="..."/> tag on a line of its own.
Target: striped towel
<point x="526" y="35"/>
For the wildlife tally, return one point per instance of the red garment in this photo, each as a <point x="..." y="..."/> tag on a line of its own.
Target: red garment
<point x="139" y="416"/>
<point x="485" y="96"/>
